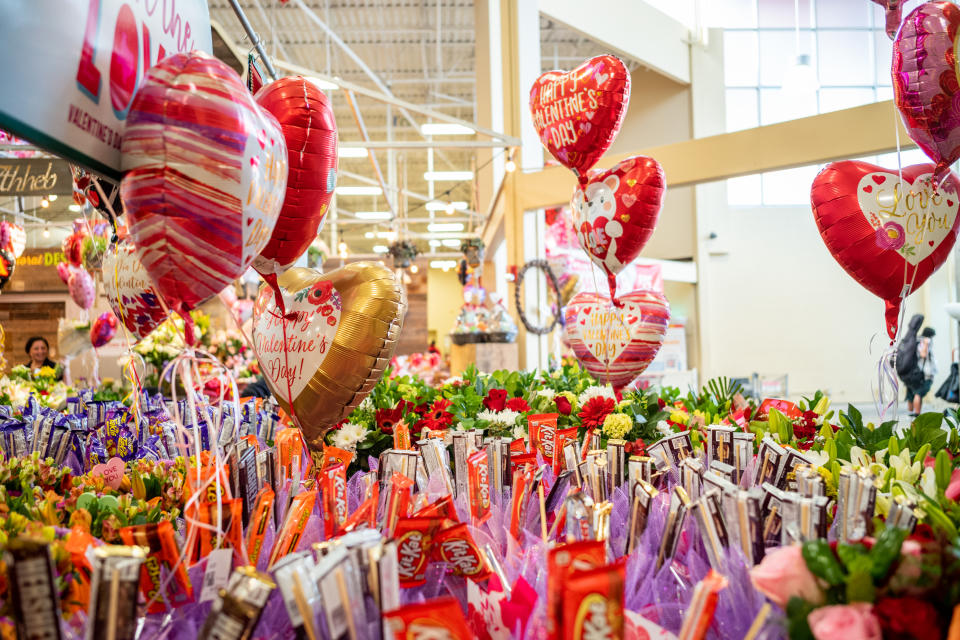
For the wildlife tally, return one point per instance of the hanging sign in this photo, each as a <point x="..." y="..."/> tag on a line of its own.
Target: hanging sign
<point x="35" y="177"/>
<point x="73" y="67"/>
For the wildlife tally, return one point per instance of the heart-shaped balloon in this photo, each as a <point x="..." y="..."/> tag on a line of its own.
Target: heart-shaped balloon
<point x="330" y="349"/>
<point x="616" y="343"/>
<point x="81" y="287"/>
<point x="16" y="238"/>
<point x="925" y="87"/>
<point x="310" y="130"/>
<point x="206" y="171"/>
<point x="7" y="264"/>
<point x="615" y="212"/>
<point x="130" y="291"/>
<point x="578" y="113"/>
<point x="893" y="10"/>
<point x="885" y="234"/>
<point x="103" y="329"/>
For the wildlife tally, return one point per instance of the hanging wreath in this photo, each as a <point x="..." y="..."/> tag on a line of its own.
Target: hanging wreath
<point x="544" y="266"/>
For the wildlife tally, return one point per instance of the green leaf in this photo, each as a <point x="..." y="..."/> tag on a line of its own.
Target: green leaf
<point x="798" y="610"/>
<point x="943" y="469"/>
<point x="922" y="453"/>
<point x="885" y="551"/>
<point x="860" y="586"/>
<point x="893" y="446"/>
<point x="821" y="561"/>
<point x="831" y="449"/>
<point x="850" y="552"/>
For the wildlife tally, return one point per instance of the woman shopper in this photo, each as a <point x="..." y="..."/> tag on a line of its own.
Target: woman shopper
<point x="928" y="366"/>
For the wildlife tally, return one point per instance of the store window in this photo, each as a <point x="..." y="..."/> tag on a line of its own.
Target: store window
<point x="838" y="58"/>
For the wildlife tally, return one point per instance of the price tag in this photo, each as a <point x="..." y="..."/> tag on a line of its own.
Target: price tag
<point x="219" y="564"/>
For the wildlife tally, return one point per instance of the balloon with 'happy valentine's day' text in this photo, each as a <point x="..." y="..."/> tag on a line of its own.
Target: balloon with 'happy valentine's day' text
<point x="616" y="343"/>
<point x="925" y="87"/>
<point x="887" y="235"/>
<point x="578" y="113"/>
<point x="328" y="351"/>
<point x="615" y="212"/>
<point x="206" y="172"/>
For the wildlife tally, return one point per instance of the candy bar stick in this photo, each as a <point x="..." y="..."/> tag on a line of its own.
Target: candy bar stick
<point x="769" y="522"/>
<point x="114" y="602"/>
<point x="758" y="622"/>
<point x="543" y="512"/>
<point x="303" y="607"/>
<point x="342" y="588"/>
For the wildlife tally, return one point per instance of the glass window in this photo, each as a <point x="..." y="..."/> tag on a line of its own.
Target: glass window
<point x="883" y="56"/>
<point x="844" y="58"/>
<point x="884" y="93"/>
<point x="742" y="109"/>
<point x="834" y="99"/>
<point x="740" y="58"/>
<point x="778" y="52"/>
<point x="778" y="106"/>
<point x="773" y="14"/>
<point x="791" y="186"/>
<point x="732" y="14"/>
<point x="843" y="13"/>
<point x="744" y="192"/>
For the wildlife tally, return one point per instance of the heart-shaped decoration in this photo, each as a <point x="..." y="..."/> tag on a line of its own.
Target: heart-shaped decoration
<point x="883" y="237"/>
<point x="130" y="291"/>
<point x="600" y="89"/>
<point x="103" y="329"/>
<point x="612" y="349"/>
<point x="615" y="213"/>
<point x="328" y="352"/>
<point x="310" y="130"/>
<point x="925" y="87"/>
<point x="82" y="289"/>
<point x="202" y="195"/>
<point x="112" y="472"/>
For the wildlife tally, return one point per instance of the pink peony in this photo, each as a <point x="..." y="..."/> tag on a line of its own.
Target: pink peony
<point x="953" y="488"/>
<point x="783" y="574"/>
<point x="845" y="622"/>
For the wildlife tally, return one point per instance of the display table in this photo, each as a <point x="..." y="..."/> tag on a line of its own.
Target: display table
<point x="488" y="356"/>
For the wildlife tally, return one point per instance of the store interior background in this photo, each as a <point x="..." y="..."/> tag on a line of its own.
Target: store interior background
<point x="767" y="298"/>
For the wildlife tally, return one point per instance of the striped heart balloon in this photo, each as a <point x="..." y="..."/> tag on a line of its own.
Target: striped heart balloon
<point x="206" y="172"/>
<point x="616" y="343"/>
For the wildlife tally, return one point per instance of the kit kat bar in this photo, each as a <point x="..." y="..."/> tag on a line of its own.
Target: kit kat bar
<point x="32" y="592"/>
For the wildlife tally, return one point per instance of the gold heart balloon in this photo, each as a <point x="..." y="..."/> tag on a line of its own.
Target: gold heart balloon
<point x="327" y="353"/>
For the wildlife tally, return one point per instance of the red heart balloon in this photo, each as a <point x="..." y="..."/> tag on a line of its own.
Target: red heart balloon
<point x="615" y="212"/>
<point x="611" y="349"/>
<point x="889" y="236"/>
<point x="578" y="113"/>
<point x="310" y="130"/>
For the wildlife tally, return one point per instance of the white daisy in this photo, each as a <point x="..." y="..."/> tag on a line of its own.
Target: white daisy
<point x="505" y="418"/>
<point x="549" y="394"/>
<point x="596" y="391"/>
<point x="347" y="436"/>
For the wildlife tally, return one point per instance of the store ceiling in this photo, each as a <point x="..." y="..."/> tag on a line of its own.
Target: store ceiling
<point x="421" y="50"/>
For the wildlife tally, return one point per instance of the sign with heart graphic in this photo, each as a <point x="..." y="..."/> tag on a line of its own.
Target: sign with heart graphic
<point x="616" y="344"/>
<point x="332" y="347"/>
<point x="578" y="113"/>
<point x="206" y="173"/>
<point x="130" y="291"/>
<point x="616" y="211"/>
<point x="888" y="234"/>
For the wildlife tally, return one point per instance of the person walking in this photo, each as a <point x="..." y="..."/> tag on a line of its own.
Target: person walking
<point x="927" y="364"/>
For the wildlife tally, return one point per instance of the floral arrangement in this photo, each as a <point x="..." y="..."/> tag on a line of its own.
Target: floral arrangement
<point x="166" y="342"/>
<point x="18" y="385"/>
<point x="230" y="348"/>
<point x="429" y="367"/>
<point x="403" y="252"/>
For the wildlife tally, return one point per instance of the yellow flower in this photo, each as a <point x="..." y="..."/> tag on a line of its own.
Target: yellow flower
<point x="680" y="417"/>
<point x="617" y="425"/>
<point x="47" y="372"/>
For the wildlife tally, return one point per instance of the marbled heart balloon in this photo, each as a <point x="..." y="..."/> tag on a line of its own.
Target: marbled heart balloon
<point x="616" y="344"/>
<point x="327" y="353"/>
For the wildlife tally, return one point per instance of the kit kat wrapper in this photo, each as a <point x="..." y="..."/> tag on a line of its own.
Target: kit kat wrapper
<point x="562" y="560"/>
<point x="32" y="591"/>
<point x="593" y="603"/>
<point x="542" y="428"/>
<point x="398" y="502"/>
<point x="333" y="490"/>
<point x="479" y="483"/>
<point x="699" y="615"/>
<point x="441" y="508"/>
<point x="560" y="439"/>
<point x="163" y="552"/>
<point x="294" y="524"/>
<point x="456" y="547"/>
<point x="438" y="619"/>
<point x="414" y="537"/>
<point x="259" y="521"/>
<point x="522" y="483"/>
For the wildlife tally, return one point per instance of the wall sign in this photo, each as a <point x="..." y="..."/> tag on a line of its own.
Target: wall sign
<point x="35" y="177"/>
<point x="36" y="272"/>
<point x="79" y="63"/>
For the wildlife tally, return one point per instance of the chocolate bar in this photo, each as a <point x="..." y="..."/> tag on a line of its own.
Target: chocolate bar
<point x="113" y="592"/>
<point x="770" y="462"/>
<point x="639" y="468"/>
<point x="742" y="454"/>
<point x="679" y="503"/>
<point x="462" y="448"/>
<point x="579" y="510"/>
<point x="720" y="444"/>
<point x="771" y="507"/>
<point x="691" y="472"/>
<point x="616" y="463"/>
<point x="402" y="461"/>
<point x="903" y="514"/>
<point x="436" y="460"/>
<point x="236" y="612"/>
<point x="294" y="576"/>
<point x="725" y="471"/>
<point x="713" y="529"/>
<point x="338" y="580"/>
<point x="32" y="591"/>
<point x="672" y="449"/>
<point x="809" y="481"/>
<point x="749" y="526"/>
<point x="571" y="460"/>
<point x="595" y="478"/>
<point x="642" y="498"/>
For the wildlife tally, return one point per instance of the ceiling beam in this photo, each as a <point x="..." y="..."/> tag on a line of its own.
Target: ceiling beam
<point x="664" y="46"/>
<point x="839" y="135"/>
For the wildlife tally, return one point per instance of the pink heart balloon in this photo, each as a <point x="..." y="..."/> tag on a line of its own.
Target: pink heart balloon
<point x="81" y="287"/>
<point x="925" y="87"/>
<point x="616" y="344"/>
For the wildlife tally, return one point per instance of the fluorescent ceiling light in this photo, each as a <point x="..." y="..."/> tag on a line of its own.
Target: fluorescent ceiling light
<point x="358" y="191"/>
<point x="373" y="215"/>
<point x="324" y="85"/>
<point x="379" y="248"/>
<point x="445" y="226"/>
<point x="368" y="235"/>
<point x="445" y="129"/>
<point x="437" y="205"/>
<point x="453" y="243"/>
<point x="351" y="152"/>
<point x="434" y="243"/>
<point x="75" y="208"/>
<point x="443" y="264"/>
<point x="436" y="176"/>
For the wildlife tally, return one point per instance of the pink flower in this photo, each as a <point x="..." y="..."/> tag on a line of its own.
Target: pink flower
<point x="890" y="236"/>
<point x="783" y="574"/>
<point x="953" y="488"/>
<point x="845" y="622"/>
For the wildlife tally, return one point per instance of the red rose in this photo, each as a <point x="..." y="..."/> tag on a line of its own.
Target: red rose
<point x="320" y="293"/>
<point x="518" y="404"/>
<point x="907" y="618"/>
<point x="660" y="403"/>
<point x="496" y="400"/>
<point x="922" y="533"/>
<point x="595" y="411"/>
<point x="563" y="405"/>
